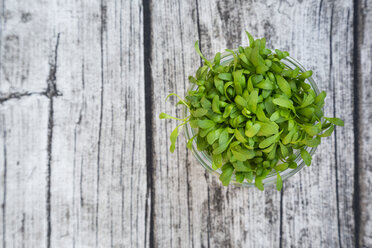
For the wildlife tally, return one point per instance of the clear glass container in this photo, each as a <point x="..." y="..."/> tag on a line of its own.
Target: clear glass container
<point x="206" y="161"/>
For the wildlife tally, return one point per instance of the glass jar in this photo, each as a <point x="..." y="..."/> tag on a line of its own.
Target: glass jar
<point x="206" y="161"/>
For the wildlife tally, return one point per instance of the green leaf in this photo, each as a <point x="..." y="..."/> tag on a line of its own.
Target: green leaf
<point x="201" y="143"/>
<point x="312" y="130"/>
<point x="209" y="64"/>
<point x="227" y="171"/>
<point x="215" y="104"/>
<point x="240" y="101"/>
<point x="190" y="141"/>
<point x="227" y="111"/>
<point x="267" y="128"/>
<point x="319" y="99"/>
<point x="239" y="176"/>
<point x="292" y="165"/>
<point x="259" y="184"/>
<point x="250" y="85"/>
<point x="242" y="154"/>
<point x="328" y="132"/>
<point x="306" y="74"/>
<point x="205" y="103"/>
<point x="275" y="116"/>
<point x="217" y="58"/>
<point x="220" y="149"/>
<point x="288" y="137"/>
<point x="252" y="101"/>
<point x="268" y="141"/>
<point x="269" y="149"/>
<point x="166" y="116"/>
<point x="226" y="76"/>
<point x="224" y="137"/>
<point x="216" y="161"/>
<point x="255" y="56"/>
<point x="261" y="115"/>
<point x="251" y="39"/>
<point x="253" y="130"/>
<point x="307" y="112"/>
<point x="239" y="136"/>
<point x="308" y="99"/>
<point x="205" y="124"/>
<point x="214" y="135"/>
<point x="306" y="157"/>
<point x="281" y="167"/>
<point x="283" y="150"/>
<point x="267" y="85"/>
<point x="218" y="83"/>
<point x="180" y="98"/>
<point x="282" y="102"/>
<point x="257" y="78"/>
<point x="173" y="139"/>
<point x="258" y="179"/>
<point x="279" y="182"/>
<point x="237" y="75"/>
<point x="199" y="112"/>
<point x="283" y="85"/>
<point x="235" y="57"/>
<point x="241" y="167"/>
<point x="261" y="68"/>
<point x="335" y="121"/>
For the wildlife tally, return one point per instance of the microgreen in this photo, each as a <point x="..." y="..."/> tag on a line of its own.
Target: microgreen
<point x="254" y="115"/>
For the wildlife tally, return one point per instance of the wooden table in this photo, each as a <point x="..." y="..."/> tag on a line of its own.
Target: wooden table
<point x="84" y="158"/>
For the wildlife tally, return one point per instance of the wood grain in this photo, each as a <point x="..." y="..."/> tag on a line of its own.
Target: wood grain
<point x="315" y="211"/>
<point x="363" y="70"/>
<point x="99" y="122"/>
<point x="23" y="172"/>
<point x="317" y="203"/>
<point x="91" y="175"/>
<point x="85" y="161"/>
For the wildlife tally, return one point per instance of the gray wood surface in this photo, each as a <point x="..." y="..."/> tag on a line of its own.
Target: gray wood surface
<point x="85" y="160"/>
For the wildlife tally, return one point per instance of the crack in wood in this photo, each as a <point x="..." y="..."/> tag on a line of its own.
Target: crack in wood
<point x="357" y="30"/>
<point x="335" y="132"/>
<point x="5" y="188"/>
<point x="150" y="190"/>
<point x="281" y="220"/>
<point x="102" y="30"/>
<point x="20" y="95"/>
<point x="17" y="95"/>
<point x="51" y="93"/>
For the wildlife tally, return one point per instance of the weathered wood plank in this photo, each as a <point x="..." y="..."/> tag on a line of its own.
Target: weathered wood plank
<point x="315" y="211"/>
<point x="72" y="126"/>
<point x="364" y="87"/>
<point x="173" y="25"/>
<point x="191" y="207"/>
<point x="83" y="183"/>
<point x="239" y="217"/>
<point x="317" y="203"/>
<point x="23" y="172"/>
<point x="98" y="187"/>
<point x="25" y="35"/>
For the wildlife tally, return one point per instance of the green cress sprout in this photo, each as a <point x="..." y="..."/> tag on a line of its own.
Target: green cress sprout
<point x="252" y="114"/>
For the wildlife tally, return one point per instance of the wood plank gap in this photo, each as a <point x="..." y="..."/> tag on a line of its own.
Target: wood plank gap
<point x="357" y="94"/>
<point x="205" y="173"/>
<point x="147" y="51"/>
<point x="4" y="193"/>
<point x="335" y="132"/>
<point x="281" y="220"/>
<point x="51" y="93"/>
<point x="198" y="25"/>
<point x="103" y="10"/>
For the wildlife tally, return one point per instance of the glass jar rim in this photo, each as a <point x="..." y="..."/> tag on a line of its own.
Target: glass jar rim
<point x="205" y="159"/>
